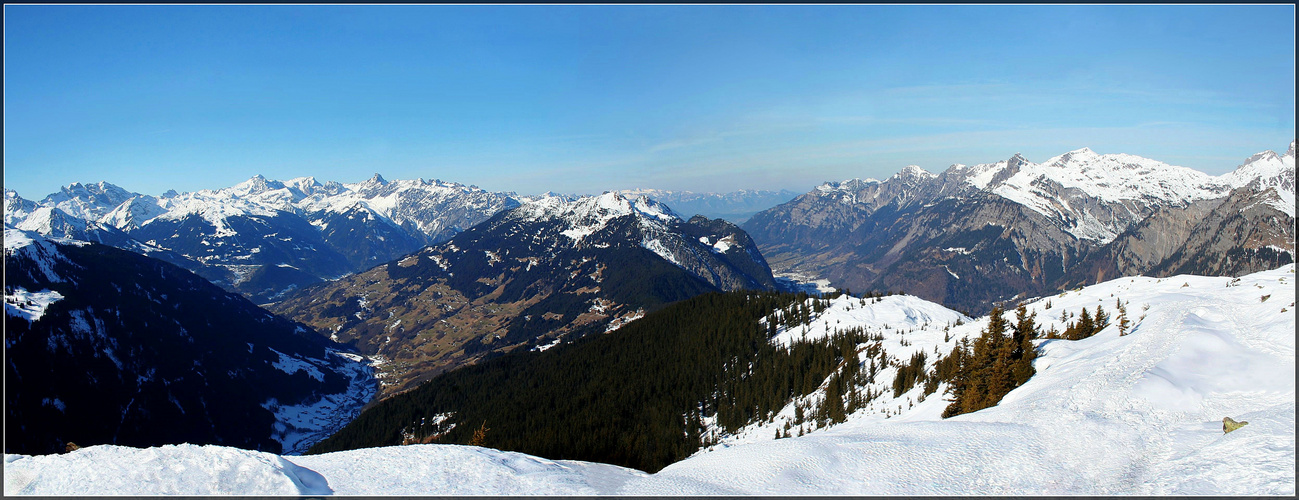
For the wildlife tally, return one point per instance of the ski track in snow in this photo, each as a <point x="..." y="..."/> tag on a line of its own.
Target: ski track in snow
<point x="1139" y="414"/>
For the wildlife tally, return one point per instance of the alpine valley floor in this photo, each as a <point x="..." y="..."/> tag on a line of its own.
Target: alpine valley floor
<point x="1139" y="414"/>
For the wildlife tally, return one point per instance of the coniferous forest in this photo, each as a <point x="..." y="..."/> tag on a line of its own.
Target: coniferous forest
<point x="647" y="396"/>
<point x="638" y="398"/>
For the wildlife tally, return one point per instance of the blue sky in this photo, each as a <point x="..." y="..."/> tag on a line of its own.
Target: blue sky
<point x="582" y="99"/>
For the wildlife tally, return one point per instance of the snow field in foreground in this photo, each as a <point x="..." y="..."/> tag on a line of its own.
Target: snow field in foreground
<point x="1139" y="414"/>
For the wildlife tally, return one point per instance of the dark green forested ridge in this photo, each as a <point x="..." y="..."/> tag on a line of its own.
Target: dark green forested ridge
<point x="636" y="398"/>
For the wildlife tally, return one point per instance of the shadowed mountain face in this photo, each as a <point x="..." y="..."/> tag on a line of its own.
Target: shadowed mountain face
<point x="542" y="274"/>
<point x="972" y="236"/>
<point x="106" y="346"/>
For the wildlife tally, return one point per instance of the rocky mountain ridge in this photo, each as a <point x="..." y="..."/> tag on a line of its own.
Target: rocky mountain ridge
<point x="977" y="234"/>
<point x="552" y="269"/>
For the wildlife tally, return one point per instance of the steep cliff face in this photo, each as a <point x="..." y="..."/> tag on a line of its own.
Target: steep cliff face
<point x="546" y="272"/>
<point x="1144" y="246"/>
<point x="1244" y="234"/>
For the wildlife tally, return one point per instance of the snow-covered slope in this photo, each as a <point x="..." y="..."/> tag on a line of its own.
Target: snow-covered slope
<point x="1139" y="414"/>
<point x="1134" y="414"/>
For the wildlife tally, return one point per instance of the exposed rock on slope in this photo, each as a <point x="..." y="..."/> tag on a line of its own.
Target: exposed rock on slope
<point x="528" y="278"/>
<point x="973" y="235"/>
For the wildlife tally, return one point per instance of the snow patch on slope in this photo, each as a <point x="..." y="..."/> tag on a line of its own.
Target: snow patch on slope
<point x="29" y="305"/>
<point x="39" y="250"/>
<point x="291" y="364"/>
<point x="894" y="312"/>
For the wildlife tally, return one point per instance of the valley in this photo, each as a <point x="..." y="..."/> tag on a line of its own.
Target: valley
<point x="611" y="329"/>
<point x="770" y="250"/>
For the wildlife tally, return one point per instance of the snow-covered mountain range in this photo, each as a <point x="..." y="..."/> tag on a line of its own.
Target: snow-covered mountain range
<point x="1112" y="414"/>
<point x="1018" y="228"/>
<point x="266" y="238"/>
<point x="263" y="237"/>
<point x="549" y="269"/>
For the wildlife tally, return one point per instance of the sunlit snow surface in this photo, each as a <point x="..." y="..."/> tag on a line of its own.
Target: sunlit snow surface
<point x="29" y="305"/>
<point x="1139" y="414"/>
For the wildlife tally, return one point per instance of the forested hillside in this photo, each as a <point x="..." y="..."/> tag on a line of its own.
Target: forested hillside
<point x="641" y="398"/>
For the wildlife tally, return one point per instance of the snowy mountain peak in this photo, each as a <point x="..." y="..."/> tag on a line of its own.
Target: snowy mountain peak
<point x="88" y="201"/>
<point x="16" y="208"/>
<point x="255" y="185"/>
<point x="1082" y="156"/>
<point x="914" y="172"/>
<point x="45" y="219"/>
<point x="596" y="209"/>
<point x="377" y="179"/>
<point x="1266" y="168"/>
<point x="98" y="188"/>
<point x="134" y="213"/>
<point x="1265" y="155"/>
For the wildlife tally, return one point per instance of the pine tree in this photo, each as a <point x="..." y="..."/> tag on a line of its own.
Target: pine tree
<point x="1081" y="329"/>
<point x="1123" y="317"/>
<point x="1024" y="354"/>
